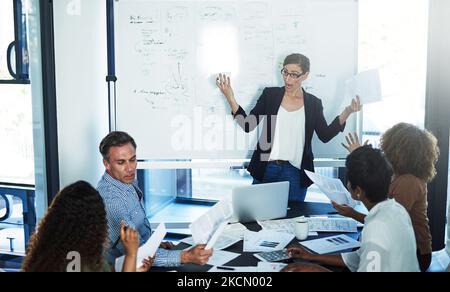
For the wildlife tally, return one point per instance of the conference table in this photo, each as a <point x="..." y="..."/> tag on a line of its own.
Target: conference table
<point x="247" y="259"/>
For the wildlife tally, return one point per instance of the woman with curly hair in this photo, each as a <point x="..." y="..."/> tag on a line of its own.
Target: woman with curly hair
<point x="413" y="153"/>
<point x="76" y="222"/>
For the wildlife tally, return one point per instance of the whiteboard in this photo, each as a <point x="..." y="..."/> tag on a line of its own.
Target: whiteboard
<point x="168" y="54"/>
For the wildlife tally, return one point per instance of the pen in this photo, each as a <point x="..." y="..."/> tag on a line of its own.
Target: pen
<point x="225" y="268"/>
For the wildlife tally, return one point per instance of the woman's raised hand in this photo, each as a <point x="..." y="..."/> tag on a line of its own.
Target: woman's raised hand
<point x="353" y="142"/>
<point x="355" y="106"/>
<point x="224" y="84"/>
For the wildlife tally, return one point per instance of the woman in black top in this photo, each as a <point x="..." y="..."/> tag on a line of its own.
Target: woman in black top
<point x="284" y="152"/>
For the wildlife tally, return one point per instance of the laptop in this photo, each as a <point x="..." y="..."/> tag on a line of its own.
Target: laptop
<point x="260" y="202"/>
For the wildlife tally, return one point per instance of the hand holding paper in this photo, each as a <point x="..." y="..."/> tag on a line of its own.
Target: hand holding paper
<point x="148" y="249"/>
<point x="332" y="188"/>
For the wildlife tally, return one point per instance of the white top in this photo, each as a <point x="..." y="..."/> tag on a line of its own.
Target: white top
<point x="289" y="140"/>
<point x="388" y="243"/>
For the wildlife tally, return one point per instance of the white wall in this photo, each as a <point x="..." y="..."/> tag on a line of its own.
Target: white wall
<point x="81" y="89"/>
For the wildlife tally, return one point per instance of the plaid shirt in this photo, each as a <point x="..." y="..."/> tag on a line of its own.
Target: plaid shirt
<point x="125" y="202"/>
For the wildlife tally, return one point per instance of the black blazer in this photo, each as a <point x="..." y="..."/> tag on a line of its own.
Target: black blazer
<point x="267" y="109"/>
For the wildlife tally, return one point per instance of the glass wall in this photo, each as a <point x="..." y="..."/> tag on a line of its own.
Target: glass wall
<point x="394" y="40"/>
<point x="16" y="134"/>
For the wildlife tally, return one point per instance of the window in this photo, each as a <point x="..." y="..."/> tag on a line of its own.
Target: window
<point x="16" y="134"/>
<point x="17" y="178"/>
<point x="6" y="35"/>
<point x="14" y="61"/>
<point x="16" y="131"/>
<point x="394" y="39"/>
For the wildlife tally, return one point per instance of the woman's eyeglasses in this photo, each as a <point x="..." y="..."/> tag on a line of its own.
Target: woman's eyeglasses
<point x="286" y="73"/>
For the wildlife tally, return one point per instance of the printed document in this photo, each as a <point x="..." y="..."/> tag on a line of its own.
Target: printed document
<point x="206" y="225"/>
<point x="325" y="224"/>
<point x="331" y="244"/>
<point x="366" y="85"/>
<point x="283" y="225"/>
<point x="333" y="188"/>
<point x="266" y="240"/>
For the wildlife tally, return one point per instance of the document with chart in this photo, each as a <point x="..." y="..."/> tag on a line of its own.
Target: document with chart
<point x="331" y="244"/>
<point x="326" y="224"/>
<point x="333" y="188"/>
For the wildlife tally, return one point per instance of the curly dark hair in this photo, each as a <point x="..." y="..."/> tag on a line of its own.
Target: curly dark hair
<point x="75" y="221"/>
<point x="369" y="169"/>
<point x="411" y="150"/>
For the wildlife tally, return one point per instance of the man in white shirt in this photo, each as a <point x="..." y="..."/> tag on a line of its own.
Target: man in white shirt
<point x="387" y="242"/>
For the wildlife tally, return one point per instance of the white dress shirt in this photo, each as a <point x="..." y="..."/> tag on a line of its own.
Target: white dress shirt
<point x="388" y="243"/>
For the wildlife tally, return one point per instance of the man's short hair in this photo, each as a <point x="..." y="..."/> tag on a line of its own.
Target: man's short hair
<point x="115" y="139"/>
<point x="369" y="169"/>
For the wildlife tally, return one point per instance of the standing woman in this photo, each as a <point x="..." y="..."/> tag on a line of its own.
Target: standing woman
<point x="291" y="116"/>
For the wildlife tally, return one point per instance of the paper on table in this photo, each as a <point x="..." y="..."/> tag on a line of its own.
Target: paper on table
<point x="266" y="240"/>
<point x="324" y="224"/>
<point x="235" y="230"/>
<point x="148" y="249"/>
<point x="282" y="225"/>
<point x="366" y="85"/>
<point x="205" y="226"/>
<point x="266" y="267"/>
<point x="331" y="244"/>
<point x="224" y="241"/>
<point x="332" y="188"/>
<point x="221" y="257"/>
